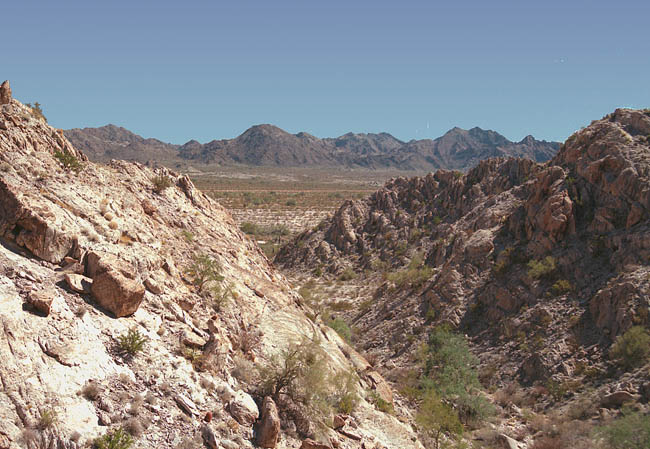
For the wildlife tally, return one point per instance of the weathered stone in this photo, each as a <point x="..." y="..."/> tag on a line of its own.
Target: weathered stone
<point x="508" y="443"/>
<point x="208" y="437"/>
<point x="311" y="444"/>
<point x="116" y="293"/>
<point x="153" y="286"/>
<point x="339" y="421"/>
<point x="78" y="282"/>
<point x="41" y="300"/>
<point x="268" y="429"/>
<point x="243" y="408"/>
<point x="148" y="207"/>
<point x="186" y="404"/>
<point x="192" y="340"/>
<point x="98" y="262"/>
<point x="618" y="398"/>
<point x="5" y="93"/>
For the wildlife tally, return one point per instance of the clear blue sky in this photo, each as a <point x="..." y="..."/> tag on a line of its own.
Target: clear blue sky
<point x="210" y="69"/>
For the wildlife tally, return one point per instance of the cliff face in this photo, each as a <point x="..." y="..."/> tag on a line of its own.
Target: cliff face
<point x="83" y="243"/>
<point x="557" y="253"/>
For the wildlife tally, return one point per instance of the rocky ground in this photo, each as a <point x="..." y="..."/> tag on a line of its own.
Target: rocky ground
<point x="542" y="266"/>
<point x="97" y="260"/>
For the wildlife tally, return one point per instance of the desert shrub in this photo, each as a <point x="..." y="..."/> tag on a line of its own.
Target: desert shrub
<point x="68" y="160"/>
<point x="91" y="391"/>
<point x="548" y="442"/>
<point x="299" y="374"/>
<point x="291" y="202"/>
<point x="347" y="275"/>
<point x="249" y="228"/>
<point x="380" y="403"/>
<point x="344" y="397"/>
<point x="435" y="418"/>
<point x="117" y="439"/>
<point x="561" y="287"/>
<point x="542" y="268"/>
<point x="187" y="235"/>
<point x="220" y="296"/>
<point x="204" y="269"/>
<point x="411" y="276"/>
<point x="458" y="174"/>
<point x="341" y="328"/>
<point x="160" y="183"/>
<point x="131" y="342"/>
<point x="37" y="111"/>
<point x="47" y="419"/>
<point x="631" y="431"/>
<point x="632" y="348"/>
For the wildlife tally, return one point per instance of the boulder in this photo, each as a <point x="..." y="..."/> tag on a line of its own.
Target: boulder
<point x="268" y="430"/>
<point x="5" y="93"/>
<point x="243" y="408"/>
<point x="118" y="294"/>
<point x="78" y="282"/>
<point x="618" y="398"/>
<point x="98" y="262"/>
<point x="41" y="300"/>
<point x="153" y="286"/>
<point x="311" y="444"/>
<point x="339" y="421"/>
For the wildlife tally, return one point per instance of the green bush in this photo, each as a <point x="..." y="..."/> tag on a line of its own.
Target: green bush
<point x="542" y="268"/>
<point x="249" y="228"/>
<point x="561" y="287"/>
<point x="341" y="328"/>
<point x="204" y="269"/>
<point x="131" y="342"/>
<point x="381" y="404"/>
<point x="161" y="182"/>
<point x="68" y="160"/>
<point x="631" y="431"/>
<point x="632" y="348"/>
<point x="451" y="370"/>
<point x="118" y="439"/>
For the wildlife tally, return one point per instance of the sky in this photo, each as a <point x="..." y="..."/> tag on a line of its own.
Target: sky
<point x="181" y="70"/>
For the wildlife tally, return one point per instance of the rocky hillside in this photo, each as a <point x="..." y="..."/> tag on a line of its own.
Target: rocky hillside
<point x="113" y="142"/>
<point x="270" y="146"/>
<point x="132" y="308"/>
<point x="543" y="266"/>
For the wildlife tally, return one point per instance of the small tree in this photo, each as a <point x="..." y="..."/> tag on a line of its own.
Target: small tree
<point x="436" y="418"/>
<point x="132" y="342"/>
<point x="204" y="269"/>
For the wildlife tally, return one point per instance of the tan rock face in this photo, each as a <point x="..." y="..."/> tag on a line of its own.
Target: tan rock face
<point x="118" y="294"/>
<point x="268" y="430"/>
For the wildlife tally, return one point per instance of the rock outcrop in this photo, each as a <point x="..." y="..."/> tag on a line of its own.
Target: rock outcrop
<point x="81" y="239"/>
<point x="5" y="93"/>
<point x="542" y="265"/>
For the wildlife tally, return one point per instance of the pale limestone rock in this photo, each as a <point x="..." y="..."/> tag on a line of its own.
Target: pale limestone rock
<point x="243" y="408"/>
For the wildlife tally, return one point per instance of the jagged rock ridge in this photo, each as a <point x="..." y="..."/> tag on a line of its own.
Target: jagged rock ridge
<point x="581" y="220"/>
<point x="268" y="145"/>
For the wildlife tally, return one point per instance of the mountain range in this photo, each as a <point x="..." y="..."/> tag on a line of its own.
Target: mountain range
<point x="268" y="145"/>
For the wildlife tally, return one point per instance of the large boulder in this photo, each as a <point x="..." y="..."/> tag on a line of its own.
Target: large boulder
<point x="117" y="293"/>
<point x="5" y="93"/>
<point x="268" y="430"/>
<point x="244" y="409"/>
